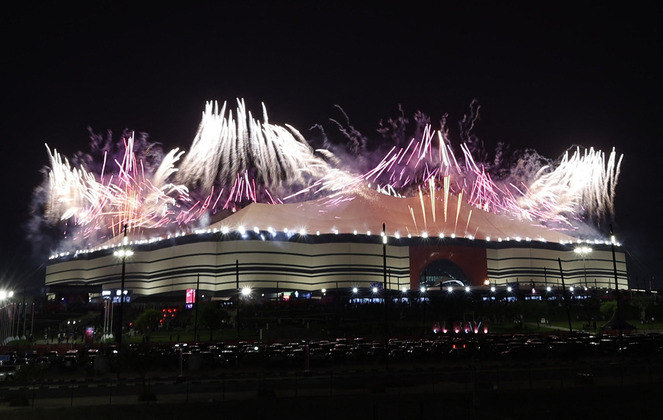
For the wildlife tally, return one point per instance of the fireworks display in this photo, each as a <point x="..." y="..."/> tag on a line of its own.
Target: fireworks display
<point x="236" y="159"/>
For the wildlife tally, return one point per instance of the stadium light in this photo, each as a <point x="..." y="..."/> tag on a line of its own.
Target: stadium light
<point x="422" y="289"/>
<point x="5" y="294"/>
<point x="374" y="289"/>
<point x="509" y="289"/>
<point x="324" y="291"/>
<point x="123" y="253"/>
<point x="450" y="289"/>
<point x="246" y="291"/>
<point x="548" y="289"/>
<point x="404" y="289"/>
<point x="571" y="289"/>
<point x="467" y="289"/>
<point x="492" y="289"/>
<point x="355" y="290"/>
<point x="582" y="250"/>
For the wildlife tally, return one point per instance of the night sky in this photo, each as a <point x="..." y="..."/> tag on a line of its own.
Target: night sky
<point x="546" y="78"/>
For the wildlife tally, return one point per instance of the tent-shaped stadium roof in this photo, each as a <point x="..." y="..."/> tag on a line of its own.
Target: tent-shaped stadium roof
<point x="369" y="209"/>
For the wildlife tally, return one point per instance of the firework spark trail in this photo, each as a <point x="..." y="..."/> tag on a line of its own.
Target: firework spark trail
<point x="467" y="225"/>
<point x="414" y="219"/>
<point x="236" y="159"/>
<point x="130" y="197"/>
<point x="460" y="200"/>
<point x="423" y="208"/>
<point x="581" y="181"/>
<point x="431" y="187"/>
<point x="446" y="196"/>
<point x="225" y="146"/>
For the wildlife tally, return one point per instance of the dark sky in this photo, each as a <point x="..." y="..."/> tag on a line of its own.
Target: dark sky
<point x="545" y="77"/>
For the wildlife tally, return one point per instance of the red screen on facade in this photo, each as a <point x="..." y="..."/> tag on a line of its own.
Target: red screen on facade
<point x="190" y="295"/>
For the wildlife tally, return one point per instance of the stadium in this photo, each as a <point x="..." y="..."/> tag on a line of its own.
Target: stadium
<point x="275" y="215"/>
<point x="310" y="247"/>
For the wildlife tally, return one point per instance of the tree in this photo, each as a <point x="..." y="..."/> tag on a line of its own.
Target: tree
<point x="212" y="317"/>
<point x="148" y="321"/>
<point x="608" y="308"/>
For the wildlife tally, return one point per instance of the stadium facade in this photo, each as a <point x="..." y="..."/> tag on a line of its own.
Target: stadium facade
<point x="313" y="245"/>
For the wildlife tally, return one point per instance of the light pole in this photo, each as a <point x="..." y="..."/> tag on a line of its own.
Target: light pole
<point x="238" y="293"/>
<point x="386" y="295"/>
<point x="583" y="251"/>
<point x="566" y="299"/>
<point x="195" y="328"/>
<point x="618" y="313"/>
<point x="123" y="253"/>
<point x="5" y="330"/>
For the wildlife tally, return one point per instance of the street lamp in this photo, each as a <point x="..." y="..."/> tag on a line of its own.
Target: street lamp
<point x="122" y="253"/>
<point x="583" y="251"/>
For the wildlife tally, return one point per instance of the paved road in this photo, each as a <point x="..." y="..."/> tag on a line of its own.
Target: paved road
<point x="283" y="384"/>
